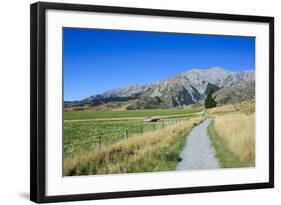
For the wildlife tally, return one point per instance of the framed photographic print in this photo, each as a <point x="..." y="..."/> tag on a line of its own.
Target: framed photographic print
<point x="129" y="102"/>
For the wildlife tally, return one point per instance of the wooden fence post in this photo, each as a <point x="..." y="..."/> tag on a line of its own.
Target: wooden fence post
<point x="126" y="134"/>
<point x="100" y="141"/>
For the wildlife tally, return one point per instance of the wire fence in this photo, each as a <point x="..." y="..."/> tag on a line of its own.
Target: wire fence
<point x="145" y="127"/>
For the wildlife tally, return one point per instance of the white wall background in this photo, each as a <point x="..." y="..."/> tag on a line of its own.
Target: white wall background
<point x="14" y="100"/>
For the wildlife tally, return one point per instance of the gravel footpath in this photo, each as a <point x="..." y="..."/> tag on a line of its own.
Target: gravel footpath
<point x="198" y="152"/>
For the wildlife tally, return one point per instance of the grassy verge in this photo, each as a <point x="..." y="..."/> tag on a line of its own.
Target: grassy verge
<point x="226" y="157"/>
<point x="154" y="151"/>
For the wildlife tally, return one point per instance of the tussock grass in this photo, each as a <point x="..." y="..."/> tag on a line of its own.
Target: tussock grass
<point x="222" y="110"/>
<point x="237" y="134"/>
<point x="153" y="151"/>
<point x="246" y="107"/>
<point x="226" y="157"/>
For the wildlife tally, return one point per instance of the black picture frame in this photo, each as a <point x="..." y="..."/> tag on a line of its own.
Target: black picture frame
<point x="38" y="101"/>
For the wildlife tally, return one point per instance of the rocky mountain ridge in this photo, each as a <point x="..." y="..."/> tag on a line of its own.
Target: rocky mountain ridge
<point x="184" y="89"/>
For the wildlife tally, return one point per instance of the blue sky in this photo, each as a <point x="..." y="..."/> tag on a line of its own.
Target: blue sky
<point x="99" y="60"/>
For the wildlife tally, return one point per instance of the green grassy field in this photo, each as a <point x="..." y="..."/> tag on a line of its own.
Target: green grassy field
<point x="129" y="113"/>
<point x="86" y="136"/>
<point x="101" y="130"/>
<point x="153" y="151"/>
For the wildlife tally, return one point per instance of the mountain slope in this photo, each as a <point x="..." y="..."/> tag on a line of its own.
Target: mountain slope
<point x="236" y="93"/>
<point x="186" y="88"/>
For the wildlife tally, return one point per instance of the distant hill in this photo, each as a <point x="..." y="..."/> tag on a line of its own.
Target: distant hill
<point x="186" y="88"/>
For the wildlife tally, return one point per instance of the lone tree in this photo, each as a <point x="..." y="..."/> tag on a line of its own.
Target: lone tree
<point x="210" y="101"/>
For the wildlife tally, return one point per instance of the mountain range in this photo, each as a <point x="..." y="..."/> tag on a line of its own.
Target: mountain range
<point x="186" y="88"/>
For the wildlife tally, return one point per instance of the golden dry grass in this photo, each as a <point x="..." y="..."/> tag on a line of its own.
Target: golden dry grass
<point x="247" y="107"/>
<point x="237" y="130"/>
<point x="136" y="154"/>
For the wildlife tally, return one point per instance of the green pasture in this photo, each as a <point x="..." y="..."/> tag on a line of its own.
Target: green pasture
<point x="128" y="113"/>
<point x="85" y="136"/>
